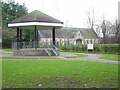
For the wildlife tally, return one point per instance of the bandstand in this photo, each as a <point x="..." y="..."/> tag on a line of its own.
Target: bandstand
<point x="35" y="20"/>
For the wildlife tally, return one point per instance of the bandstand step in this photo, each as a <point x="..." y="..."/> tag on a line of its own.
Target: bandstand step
<point x="49" y="54"/>
<point x="54" y="52"/>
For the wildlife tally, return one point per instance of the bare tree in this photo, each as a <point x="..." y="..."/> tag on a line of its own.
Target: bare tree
<point x="111" y="32"/>
<point x="116" y="30"/>
<point x="91" y="19"/>
<point x="103" y="27"/>
<point x="98" y="30"/>
<point x="117" y="27"/>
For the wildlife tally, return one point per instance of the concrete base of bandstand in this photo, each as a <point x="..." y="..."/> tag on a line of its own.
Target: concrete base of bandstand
<point x="36" y="52"/>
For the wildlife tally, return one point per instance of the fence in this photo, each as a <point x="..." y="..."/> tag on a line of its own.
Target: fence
<point x="32" y="45"/>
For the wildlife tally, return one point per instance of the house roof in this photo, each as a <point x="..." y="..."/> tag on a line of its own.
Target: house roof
<point x="68" y="32"/>
<point x="36" y="16"/>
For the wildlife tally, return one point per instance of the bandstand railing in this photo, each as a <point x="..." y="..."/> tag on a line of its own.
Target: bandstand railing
<point x="34" y="45"/>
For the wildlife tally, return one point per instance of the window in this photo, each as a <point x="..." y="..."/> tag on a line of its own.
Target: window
<point x="91" y="41"/>
<point x="87" y="41"/>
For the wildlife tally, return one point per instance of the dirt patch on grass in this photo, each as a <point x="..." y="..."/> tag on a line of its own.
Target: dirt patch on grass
<point x="60" y="82"/>
<point x="63" y="82"/>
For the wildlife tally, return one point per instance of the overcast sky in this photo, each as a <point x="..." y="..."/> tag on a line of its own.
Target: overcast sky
<point x="74" y="11"/>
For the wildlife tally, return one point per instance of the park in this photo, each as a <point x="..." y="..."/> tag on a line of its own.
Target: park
<point x="39" y="52"/>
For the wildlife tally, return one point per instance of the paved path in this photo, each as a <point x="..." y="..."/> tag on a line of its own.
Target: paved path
<point x="90" y="57"/>
<point x="93" y="57"/>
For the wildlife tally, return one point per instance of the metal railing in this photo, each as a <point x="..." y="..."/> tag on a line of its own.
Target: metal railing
<point x="34" y="45"/>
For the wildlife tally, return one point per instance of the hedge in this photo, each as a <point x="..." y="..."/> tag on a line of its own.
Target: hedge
<point x="98" y="48"/>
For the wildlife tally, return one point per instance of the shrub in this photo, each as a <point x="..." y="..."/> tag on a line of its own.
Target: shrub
<point x="98" y="48"/>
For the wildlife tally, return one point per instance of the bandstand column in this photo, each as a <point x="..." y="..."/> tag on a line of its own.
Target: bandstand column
<point x="53" y="35"/>
<point x="17" y="37"/>
<point x="35" y="37"/>
<point x="20" y="35"/>
<point x="20" y="38"/>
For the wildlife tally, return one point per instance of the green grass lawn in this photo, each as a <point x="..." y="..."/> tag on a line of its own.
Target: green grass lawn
<point x="3" y="53"/>
<point x="30" y="58"/>
<point x="8" y="50"/>
<point x="50" y="58"/>
<point x="59" y="74"/>
<point x="77" y="56"/>
<point x="110" y="57"/>
<point x="7" y="53"/>
<point x="65" y="52"/>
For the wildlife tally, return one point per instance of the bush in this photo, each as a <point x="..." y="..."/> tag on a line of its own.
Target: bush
<point x="98" y="48"/>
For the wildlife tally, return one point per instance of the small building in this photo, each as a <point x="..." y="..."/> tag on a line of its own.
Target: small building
<point x="70" y="36"/>
<point x="35" y="20"/>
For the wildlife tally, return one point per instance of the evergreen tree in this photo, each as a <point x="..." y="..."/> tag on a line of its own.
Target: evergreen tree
<point x="10" y="11"/>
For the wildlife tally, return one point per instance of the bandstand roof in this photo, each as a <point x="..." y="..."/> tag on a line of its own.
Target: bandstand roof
<point x="36" y="18"/>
